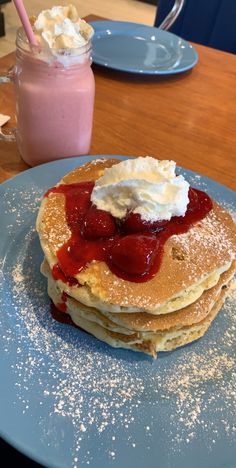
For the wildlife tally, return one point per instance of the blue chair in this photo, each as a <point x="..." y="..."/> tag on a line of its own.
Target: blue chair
<point x="208" y="22"/>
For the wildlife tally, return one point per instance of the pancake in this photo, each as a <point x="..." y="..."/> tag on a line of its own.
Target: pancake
<point x="139" y="321"/>
<point x="173" y="308"/>
<point x="183" y="274"/>
<point x="145" y="332"/>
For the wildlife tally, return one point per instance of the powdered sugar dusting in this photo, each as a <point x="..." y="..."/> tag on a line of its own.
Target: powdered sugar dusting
<point x="103" y="392"/>
<point x="214" y="237"/>
<point x="93" y="404"/>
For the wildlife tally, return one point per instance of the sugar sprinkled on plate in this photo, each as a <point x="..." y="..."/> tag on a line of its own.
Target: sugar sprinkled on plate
<point x="103" y="392"/>
<point x="106" y="395"/>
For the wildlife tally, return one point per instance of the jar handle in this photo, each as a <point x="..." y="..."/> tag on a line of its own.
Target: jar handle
<point x="9" y="134"/>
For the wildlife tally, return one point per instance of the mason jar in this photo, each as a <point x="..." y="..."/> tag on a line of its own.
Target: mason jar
<point x="54" y="92"/>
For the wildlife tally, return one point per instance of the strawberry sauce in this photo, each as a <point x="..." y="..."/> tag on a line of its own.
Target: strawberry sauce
<point x="132" y="248"/>
<point x="59" y="314"/>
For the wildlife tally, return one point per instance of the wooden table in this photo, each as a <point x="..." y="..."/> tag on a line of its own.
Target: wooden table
<point x="189" y="117"/>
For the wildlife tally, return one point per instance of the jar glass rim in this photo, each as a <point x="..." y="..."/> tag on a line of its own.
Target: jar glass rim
<point x="23" y="44"/>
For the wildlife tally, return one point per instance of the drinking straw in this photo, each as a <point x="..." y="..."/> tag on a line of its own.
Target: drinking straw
<point x="25" y="21"/>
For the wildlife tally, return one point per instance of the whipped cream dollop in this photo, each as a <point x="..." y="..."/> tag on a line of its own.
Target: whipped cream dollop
<point x="144" y="185"/>
<point x="61" y="28"/>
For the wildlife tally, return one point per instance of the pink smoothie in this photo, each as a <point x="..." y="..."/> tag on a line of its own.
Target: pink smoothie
<point x="54" y="108"/>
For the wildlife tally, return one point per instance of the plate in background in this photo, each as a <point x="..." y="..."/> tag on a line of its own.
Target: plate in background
<point x="137" y="48"/>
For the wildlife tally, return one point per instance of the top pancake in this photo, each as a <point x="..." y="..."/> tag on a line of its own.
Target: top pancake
<point x="208" y="247"/>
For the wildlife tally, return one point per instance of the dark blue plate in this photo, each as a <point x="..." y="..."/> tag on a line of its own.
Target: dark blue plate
<point x="138" y="48"/>
<point x="68" y="400"/>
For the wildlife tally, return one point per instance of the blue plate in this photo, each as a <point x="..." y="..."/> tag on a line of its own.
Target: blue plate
<point x="138" y="48"/>
<point x="69" y="400"/>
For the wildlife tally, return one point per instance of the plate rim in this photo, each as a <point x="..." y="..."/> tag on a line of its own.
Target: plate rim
<point x="91" y="157"/>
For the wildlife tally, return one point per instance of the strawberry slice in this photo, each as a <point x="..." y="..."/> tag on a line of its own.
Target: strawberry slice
<point x="98" y="223"/>
<point x="135" y="253"/>
<point x="134" y="223"/>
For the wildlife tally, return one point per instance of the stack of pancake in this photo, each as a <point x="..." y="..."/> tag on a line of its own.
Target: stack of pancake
<point x="172" y="309"/>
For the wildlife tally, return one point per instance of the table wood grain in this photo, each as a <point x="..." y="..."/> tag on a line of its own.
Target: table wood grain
<point x="189" y="117"/>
